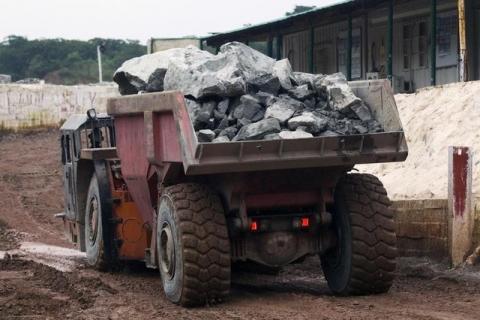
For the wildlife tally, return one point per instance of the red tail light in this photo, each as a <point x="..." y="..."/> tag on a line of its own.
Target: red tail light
<point x="305" y="222"/>
<point x="254" y="226"/>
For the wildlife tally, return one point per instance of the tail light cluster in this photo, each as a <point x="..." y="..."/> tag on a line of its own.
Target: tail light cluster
<point x="297" y="223"/>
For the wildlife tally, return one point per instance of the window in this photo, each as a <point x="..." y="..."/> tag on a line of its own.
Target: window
<point x="68" y="156"/>
<point x="407" y="49"/>
<point x="342" y="54"/>
<point x="415" y="45"/>
<point x="422" y="44"/>
<point x="446" y="28"/>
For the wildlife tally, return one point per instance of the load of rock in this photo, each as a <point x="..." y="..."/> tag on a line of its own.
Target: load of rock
<point x="241" y="94"/>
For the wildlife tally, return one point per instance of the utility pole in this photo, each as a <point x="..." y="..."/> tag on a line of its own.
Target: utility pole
<point x="100" y="50"/>
<point x="463" y="72"/>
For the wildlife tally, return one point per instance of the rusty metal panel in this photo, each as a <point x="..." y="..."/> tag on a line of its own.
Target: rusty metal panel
<point x="167" y="147"/>
<point x="131" y="149"/>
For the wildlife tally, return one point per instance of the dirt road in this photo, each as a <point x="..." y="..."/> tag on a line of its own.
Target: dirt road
<point x="30" y="288"/>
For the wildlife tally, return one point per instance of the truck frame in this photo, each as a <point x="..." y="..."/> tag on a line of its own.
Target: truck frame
<point x="139" y="186"/>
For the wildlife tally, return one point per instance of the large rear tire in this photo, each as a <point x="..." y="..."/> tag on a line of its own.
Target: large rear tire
<point x="193" y="246"/>
<point x="363" y="261"/>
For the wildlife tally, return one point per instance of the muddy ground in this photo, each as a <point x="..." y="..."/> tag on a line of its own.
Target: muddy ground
<point x="33" y="251"/>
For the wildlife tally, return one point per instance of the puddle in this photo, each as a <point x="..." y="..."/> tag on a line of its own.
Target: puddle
<point x="62" y="259"/>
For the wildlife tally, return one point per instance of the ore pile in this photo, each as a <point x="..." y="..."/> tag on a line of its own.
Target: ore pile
<point x="241" y="94"/>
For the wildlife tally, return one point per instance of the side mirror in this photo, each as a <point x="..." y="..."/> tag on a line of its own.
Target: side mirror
<point x="92" y="114"/>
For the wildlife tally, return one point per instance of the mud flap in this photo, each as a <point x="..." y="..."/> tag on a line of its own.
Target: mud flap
<point x="111" y="252"/>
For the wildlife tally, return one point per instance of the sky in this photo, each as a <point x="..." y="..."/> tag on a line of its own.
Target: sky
<point x="137" y="19"/>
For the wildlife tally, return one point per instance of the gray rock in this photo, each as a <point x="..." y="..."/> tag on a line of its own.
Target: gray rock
<point x="280" y="110"/>
<point x="218" y="115"/>
<point x="250" y="62"/>
<point x="266" y="83"/>
<point x="200" y="115"/>
<point x="329" y="133"/>
<point x="200" y="74"/>
<point x="258" y="130"/>
<point x="361" y="129"/>
<point x="222" y="106"/>
<point x="341" y="96"/>
<point x="205" y="135"/>
<point x="223" y="124"/>
<point x="297" y="105"/>
<point x="273" y="136"/>
<point x="374" y="126"/>
<point x="322" y="104"/>
<point x="135" y="74"/>
<point x="283" y="70"/>
<point x="309" y="121"/>
<point x="265" y="98"/>
<point x="243" y="122"/>
<point x="211" y="124"/>
<point x="249" y="109"/>
<point x="310" y="103"/>
<point x="362" y="111"/>
<point x="298" y="134"/>
<point x="155" y="81"/>
<point x="229" y="132"/>
<point x="309" y="79"/>
<point x="193" y="109"/>
<point x="301" y="93"/>
<point x="221" y="139"/>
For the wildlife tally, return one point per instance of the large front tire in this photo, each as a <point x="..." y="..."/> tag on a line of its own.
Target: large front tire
<point x="363" y="261"/>
<point x="94" y="233"/>
<point x="193" y="247"/>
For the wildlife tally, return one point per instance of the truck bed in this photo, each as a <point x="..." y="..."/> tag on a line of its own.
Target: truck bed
<point x="163" y="133"/>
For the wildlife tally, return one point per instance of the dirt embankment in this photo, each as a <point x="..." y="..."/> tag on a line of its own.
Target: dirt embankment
<point x="433" y="119"/>
<point x="30" y="288"/>
<point x="31" y="185"/>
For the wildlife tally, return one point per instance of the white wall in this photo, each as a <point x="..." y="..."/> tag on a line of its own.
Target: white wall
<point x="30" y="105"/>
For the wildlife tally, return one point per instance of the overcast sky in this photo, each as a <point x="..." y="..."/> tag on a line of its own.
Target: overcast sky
<point x="137" y="19"/>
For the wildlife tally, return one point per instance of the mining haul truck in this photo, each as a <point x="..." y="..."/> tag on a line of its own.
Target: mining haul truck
<point x="139" y="186"/>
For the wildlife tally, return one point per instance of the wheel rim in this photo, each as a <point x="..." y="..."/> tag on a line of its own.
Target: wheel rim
<point x="92" y="220"/>
<point x="167" y="251"/>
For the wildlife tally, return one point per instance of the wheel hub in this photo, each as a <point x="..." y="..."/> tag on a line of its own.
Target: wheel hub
<point x="92" y="220"/>
<point x="167" y="251"/>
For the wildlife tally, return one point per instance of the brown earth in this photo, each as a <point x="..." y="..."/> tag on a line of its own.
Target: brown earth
<point x="31" y="192"/>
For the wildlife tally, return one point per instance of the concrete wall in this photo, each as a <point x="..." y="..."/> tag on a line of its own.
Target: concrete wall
<point x="23" y="106"/>
<point x="422" y="228"/>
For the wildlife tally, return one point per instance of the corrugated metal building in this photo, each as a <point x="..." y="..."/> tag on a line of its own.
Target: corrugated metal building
<point x="415" y="43"/>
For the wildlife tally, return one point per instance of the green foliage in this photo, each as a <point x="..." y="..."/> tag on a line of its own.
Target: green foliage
<point x="63" y="61"/>
<point x="299" y="9"/>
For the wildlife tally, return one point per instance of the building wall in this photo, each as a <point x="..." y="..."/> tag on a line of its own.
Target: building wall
<point x="155" y="45"/>
<point x="371" y="54"/>
<point x="32" y="105"/>
<point x="409" y="19"/>
<point x="411" y="42"/>
<point x="295" y="48"/>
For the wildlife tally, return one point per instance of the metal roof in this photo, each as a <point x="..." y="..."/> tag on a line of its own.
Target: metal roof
<point x="280" y="20"/>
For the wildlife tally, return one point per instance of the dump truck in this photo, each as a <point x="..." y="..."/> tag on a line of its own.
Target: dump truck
<point x="140" y="187"/>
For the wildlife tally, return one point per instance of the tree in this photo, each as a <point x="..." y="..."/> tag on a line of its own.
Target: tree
<point x="299" y="9"/>
<point x="63" y="61"/>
